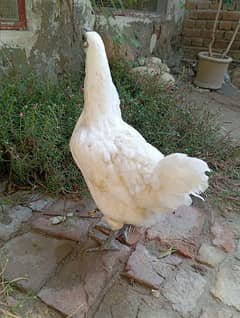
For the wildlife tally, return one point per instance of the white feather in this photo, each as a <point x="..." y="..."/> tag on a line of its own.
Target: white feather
<point x="130" y="180"/>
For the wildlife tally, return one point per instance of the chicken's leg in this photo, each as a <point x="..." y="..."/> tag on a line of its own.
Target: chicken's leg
<point x="109" y="244"/>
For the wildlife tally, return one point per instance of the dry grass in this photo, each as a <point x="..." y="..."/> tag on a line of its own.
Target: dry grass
<point x="7" y="288"/>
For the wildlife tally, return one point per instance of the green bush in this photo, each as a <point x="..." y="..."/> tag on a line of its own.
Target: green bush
<point x="37" y="120"/>
<point x="36" y="123"/>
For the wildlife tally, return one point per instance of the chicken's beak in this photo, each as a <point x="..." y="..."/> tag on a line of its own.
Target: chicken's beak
<point x="86" y="29"/>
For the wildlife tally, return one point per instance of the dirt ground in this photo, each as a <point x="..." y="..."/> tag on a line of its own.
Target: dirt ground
<point x="225" y="102"/>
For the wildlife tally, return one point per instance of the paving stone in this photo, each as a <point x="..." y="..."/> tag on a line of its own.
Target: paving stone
<point x="214" y="312"/>
<point x="11" y="219"/>
<point x="82" y="281"/>
<point x="184" y="290"/>
<point x="35" y="257"/>
<point x="149" y="270"/>
<point x="227" y="287"/>
<point x="222" y="236"/>
<point x="210" y="255"/>
<point x="124" y="300"/>
<point x="40" y="203"/>
<point x="74" y="205"/>
<point x="181" y="229"/>
<point x="72" y="229"/>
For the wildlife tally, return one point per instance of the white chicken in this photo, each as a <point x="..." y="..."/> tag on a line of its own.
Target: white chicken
<point x="129" y="179"/>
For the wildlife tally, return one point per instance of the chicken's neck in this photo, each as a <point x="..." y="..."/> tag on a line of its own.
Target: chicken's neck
<point x="100" y="94"/>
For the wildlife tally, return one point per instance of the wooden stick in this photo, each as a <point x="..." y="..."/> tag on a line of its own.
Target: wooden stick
<point x="214" y="28"/>
<point x="232" y="39"/>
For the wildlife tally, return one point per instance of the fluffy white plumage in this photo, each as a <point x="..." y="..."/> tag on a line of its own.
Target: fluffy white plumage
<point x="130" y="180"/>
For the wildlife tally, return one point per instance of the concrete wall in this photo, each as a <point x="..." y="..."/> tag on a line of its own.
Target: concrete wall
<point x="51" y="45"/>
<point x="134" y="34"/>
<point x="198" y="24"/>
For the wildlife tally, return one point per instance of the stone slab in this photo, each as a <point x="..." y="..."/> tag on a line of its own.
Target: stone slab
<point x="184" y="290"/>
<point x="222" y="236"/>
<point x="82" y="281"/>
<point x="181" y="228"/>
<point x="72" y="229"/>
<point x="216" y="312"/>
<point x="124" y="300"/>
<point x="34" y="257"/>
<point x="149" y="270"/>
<point x="39" y="203"/>
<point x="227" y="287"/>
<point x="74" y="205"/>
<point x="11" y="220"/>
<point x="210" y="255"/>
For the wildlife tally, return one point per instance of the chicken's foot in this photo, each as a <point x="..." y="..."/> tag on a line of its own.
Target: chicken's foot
<point x="109" y="244"/>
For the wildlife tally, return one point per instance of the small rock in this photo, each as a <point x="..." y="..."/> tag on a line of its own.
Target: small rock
<point x="227" y="287"/>
<point x="57" y="219"/>
<point x="11" y="220"/>
<point x="222" y="236"/>
<point x="184" y="289"/>
<point x="147" y="269"/>
<point x="155" y="293"/>
<point x="156" y="63"/>
<point x="146" y="71"/>
<point x="166" y="79"/>
<point x="153" y="61"/>
<point x="210" y="255"/>
<point x="180" y="229"/>
<point x="155" y="68"/>
<point x="141" y="61"/>
<point x="33" y="257"/>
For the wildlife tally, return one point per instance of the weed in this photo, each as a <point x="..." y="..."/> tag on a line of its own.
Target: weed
<point x="6" y="289"/>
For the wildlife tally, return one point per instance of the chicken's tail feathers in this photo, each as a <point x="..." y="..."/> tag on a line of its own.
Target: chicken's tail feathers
<point x="180" y="176"/>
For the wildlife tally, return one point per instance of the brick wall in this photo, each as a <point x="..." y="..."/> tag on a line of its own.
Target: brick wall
<point x="198" y="23"/>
